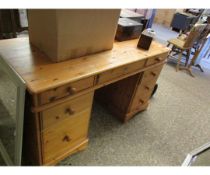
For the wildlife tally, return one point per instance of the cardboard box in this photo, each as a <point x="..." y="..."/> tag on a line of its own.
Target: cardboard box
<point x="65" y="34"/>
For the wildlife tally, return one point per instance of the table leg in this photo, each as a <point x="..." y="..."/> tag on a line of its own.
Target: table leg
<point x="178" y="61"/>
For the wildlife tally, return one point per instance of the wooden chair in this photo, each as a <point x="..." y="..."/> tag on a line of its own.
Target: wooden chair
<point x="181" y="45"/>
<point x="201" y="42"/>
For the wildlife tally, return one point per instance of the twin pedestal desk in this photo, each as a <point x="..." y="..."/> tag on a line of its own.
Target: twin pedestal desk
<point x="59" y="96"/>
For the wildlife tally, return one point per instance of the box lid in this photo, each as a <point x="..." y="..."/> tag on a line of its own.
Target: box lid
<point x="126" y="22"/>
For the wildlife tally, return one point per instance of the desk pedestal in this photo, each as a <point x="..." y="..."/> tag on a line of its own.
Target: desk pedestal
<point x="129" y="96"/>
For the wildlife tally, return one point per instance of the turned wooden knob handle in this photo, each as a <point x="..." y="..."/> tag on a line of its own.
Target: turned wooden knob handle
<point x="153" y="74"/>
<point x="141" y="101"/>
<point x="147" y="87"/>
<point x="66" y="138"/>
<point x="72" y="90"/>
<point x="157" y="59"/>
<point x="69" y="111"/>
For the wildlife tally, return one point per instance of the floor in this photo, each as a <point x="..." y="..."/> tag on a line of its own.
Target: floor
<point x="176" y="122"/>
<point x="163" y="33"/>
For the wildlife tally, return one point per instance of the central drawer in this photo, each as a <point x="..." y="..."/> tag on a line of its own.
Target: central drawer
<point x="66" y="90"/>
<point x="120" y="71"/>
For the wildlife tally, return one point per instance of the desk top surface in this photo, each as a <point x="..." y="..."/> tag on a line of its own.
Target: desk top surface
<point x="41" y="74"/>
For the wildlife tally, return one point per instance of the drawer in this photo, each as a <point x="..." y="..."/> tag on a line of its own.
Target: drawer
<point x="145" y="88"/>
<point x="144" y="92"/>
<point x="142" y="96"/>
<point x="66" y="90"/>
<point x="138" y="104"/>
<point x="154" y="60"/>
<point x="59" y="140"/>
<point x="117" y="72"/>
<point x="151" y="74"/>
<point x="69" y="109"/>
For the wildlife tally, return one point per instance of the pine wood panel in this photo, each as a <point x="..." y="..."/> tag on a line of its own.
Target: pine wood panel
<point x="66" y="90"/>
<point x="130" y="95"/>
<point x="95" y="87"/>
<point x="66" y="110"/>
<point x="155" y="60"/>
<point x="117" y="96"/>
<point x="145" y="88"/>
<point x="65" y="135"/>
<point x="151" y="74"/>
<point x="41" y="74"/>
<point x="164" y="16"/>
<point x="81" y="145"/>
<point x="57" y="138"/>
<point x="117" y="72"/>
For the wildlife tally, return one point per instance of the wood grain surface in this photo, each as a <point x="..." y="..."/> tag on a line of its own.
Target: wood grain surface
<point x="41" y="74"/>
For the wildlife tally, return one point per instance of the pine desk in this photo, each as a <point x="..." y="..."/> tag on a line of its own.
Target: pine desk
<point x="59" y="95"/>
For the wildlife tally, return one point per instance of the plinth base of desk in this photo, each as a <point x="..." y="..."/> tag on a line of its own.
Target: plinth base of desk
<point x="131" y="114"/>
<point x="80" y="147"/>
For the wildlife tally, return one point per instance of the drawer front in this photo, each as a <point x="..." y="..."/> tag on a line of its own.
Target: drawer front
<point x="117" y="72"/>
<point x="144" y="92"/>
<point x="66" y="90"/>
<point x="151" y="74"/>
<point x="155" y="60"/>
<point x="145" y="88"/>
<point x="65" y="136"/>
<point x="69" y="109"/>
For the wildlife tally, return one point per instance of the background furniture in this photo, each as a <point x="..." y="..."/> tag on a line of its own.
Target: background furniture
<point x="183" y="21"/>
<point x="125" y="13"/>
<point x="7" y="24"/>
<point x="180" y="45"/>
<point x="59" y="96"/>
<point x="148" y="16"/>
<point x="164" y="16"/>
<point x="10" y="23"/>
<point x="196" y="12"/>
<point x="128" y="29"/>
<point x="201" y="52"/>
<point x="11" y="124"/>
